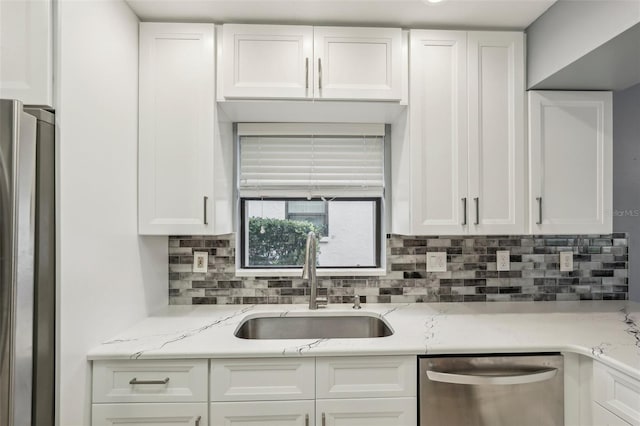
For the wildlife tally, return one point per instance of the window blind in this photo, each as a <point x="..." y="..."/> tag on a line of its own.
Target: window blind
<point x="311" y="166"/>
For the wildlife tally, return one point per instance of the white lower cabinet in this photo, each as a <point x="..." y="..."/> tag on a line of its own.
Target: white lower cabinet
<point x="366" y="411"/>
<point x="263" y="413"/>
<point x="336" y="391"/>
<point x="604" y="417"/>
<point x="150" y="414"/>
<point x="304" y="391"/>
<point x="616" y="397"/>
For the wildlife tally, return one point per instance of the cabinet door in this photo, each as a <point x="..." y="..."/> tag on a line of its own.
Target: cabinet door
<point x="149" y="414"/>
<point x="263" y="413"/>
<point x="370" y="412"/>
<point x="438" y="128"/>
<point x="570" y="162"/>
<point x="26" y="52"/>
<point x="603" y="417"/>
<point x="358" y="63"/>
<point x="496" y="132"/>
<point x="267" y="61"/>
<point x="176" y="129"/>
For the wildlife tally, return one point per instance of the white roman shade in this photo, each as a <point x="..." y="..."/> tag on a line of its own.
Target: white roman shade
<point x="313" y="164"/>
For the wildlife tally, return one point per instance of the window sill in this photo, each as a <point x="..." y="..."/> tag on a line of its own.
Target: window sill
<point x="339" y="272"/>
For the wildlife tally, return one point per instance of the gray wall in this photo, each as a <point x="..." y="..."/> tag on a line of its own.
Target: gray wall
<point x="572" y="28"/>
<point x="626" y="177"/>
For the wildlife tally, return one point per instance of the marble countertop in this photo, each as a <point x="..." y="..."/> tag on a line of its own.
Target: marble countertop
<point x="609" y="331"/>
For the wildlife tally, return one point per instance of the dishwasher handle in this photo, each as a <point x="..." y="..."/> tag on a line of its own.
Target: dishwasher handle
<point x="508" y="379"/>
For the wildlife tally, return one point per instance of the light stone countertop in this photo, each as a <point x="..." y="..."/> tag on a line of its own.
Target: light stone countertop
<point x="608" y="331"/>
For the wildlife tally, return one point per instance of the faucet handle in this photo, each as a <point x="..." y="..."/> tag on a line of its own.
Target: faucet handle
<point x="356" y="302"/>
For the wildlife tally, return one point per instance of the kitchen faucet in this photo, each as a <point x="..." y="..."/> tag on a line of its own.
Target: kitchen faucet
<point x="309" y="272"/>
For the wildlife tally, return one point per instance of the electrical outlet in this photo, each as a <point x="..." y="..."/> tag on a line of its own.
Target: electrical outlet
<point x="566" y="261"/>
<point x="502" y="260"/>
<point x="200" y="261"/>
<point x="437" y="261"/>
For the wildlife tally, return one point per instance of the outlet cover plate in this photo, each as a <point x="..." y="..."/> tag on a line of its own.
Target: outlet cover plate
<point x="200" y="261"/>
<point x="566" y="261"/>
<point x="437" y="261"/>
<point x="502" y="260"/>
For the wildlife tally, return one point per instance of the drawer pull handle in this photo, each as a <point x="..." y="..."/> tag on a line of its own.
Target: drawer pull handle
<point x="539" y="200"/>
<point x="135" y="381"/>
<point x="306" y="73"/>
<point x="324" y="420"/>
<point x="477" y="201"/>
<point x="306" y="420"/>
<point x="198" y="420"/>
<point x="464" y="211"/>
<point x="205" y="210"/>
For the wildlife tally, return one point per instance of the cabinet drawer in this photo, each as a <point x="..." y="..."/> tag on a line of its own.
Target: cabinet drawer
<point x="617" y="392"/>
<point x="262" y="379"/>
<point x="143" y="381"/>
<point x="263" y="413"/>
<point x="369" y="412"/>
<point x="366" y="377"/>
<point x="150" y="414"/>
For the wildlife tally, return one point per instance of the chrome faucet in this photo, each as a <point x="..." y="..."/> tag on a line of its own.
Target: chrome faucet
<point x="309" y="272"/>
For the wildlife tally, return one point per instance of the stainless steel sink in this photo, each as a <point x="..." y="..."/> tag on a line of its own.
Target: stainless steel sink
<point x="313" y="327"/>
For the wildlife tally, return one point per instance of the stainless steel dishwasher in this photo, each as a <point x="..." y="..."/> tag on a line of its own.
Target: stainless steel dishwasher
<point x="492" y="390"/>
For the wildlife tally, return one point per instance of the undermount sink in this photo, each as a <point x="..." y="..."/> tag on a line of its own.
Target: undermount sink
<point x="313" y="327"/>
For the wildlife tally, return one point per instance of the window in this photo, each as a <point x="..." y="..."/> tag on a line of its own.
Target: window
<point x="296" y="178"/>
<point x="314" y="212"/>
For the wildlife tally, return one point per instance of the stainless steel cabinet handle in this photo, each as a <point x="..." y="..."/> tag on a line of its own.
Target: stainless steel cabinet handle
<point x="306" y="420"/>
<point x="464" y="211"/>
<point x="324" y="420"/>
<point x="506" y="379"/>
<point x="205" y="210"/>
<point x="135" y="381"/>
<point x="306" y="73"/>
<point x="198" y="420"/>
<point x="477" y="201"/>
<point x="539" y="200"/>
<point x="319" y="73"/>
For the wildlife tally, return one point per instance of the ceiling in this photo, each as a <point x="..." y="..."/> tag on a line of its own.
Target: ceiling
<point x="463" y="14"/>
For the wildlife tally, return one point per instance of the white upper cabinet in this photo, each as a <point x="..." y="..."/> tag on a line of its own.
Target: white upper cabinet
<point x="357" y="63"/>
<point x="438" y="120"/>
<point x="26" y="35"/>
<point x="467" y="132"/>
<point x="300" y="62"/>
<point x="496" y="132"/>
<point x="571" y="162"/>
<point x="176" y="141"/>
<point x="267" y="61"/>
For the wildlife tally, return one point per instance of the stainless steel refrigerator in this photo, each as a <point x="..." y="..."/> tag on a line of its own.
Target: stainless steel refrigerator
<point x="27" y="265"/>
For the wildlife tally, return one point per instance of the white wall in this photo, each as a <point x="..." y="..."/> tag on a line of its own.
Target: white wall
<point x="570" y="29"/>
<point x="626" y="177"/>
<point x="108" y="278"/>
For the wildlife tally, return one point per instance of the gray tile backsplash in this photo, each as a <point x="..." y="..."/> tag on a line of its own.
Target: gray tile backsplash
<point x="600" y="272"/>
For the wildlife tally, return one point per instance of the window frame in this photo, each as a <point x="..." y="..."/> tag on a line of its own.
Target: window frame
<point x="243" y="235"/>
